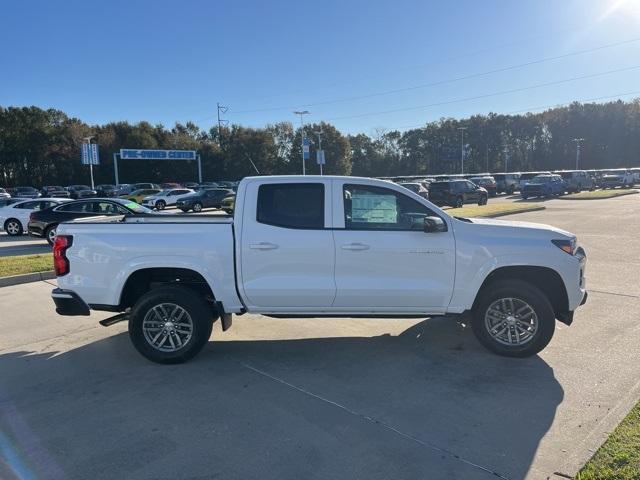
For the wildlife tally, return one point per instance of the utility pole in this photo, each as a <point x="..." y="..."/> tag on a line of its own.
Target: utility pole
<point x="88" y="140"/>
<point x="221" y="109"/>
<point x="505" y="149"/>
<point x="578" y="144"/>
<point x="319" y="134"/>
<point x="302" y="113"/>
<point x="462" y="129"/>
<point x="487" y="159"/>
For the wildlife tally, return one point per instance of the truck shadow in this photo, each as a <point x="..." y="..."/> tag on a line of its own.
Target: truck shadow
<point x="428" y="402"/>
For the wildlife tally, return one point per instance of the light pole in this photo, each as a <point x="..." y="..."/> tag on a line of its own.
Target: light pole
<point x="578" y="144"/>
<point x="88" y="140"/>
<point x="462" y="129"/>
<point x="302" y="113"/>
<point x="319" y="134"/>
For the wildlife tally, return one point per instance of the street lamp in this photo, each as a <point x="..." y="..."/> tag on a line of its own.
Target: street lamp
<point x="578" y="144"/>
<point x="302" y="113"/>
<point x="462" y="129"/>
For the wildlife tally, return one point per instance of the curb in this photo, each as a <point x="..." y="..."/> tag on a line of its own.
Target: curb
<point x="504" y="214"/>
<point x="26" y="278"/>
<point x="622" y="194"/>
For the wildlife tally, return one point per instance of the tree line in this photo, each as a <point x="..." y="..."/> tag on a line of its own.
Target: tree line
<point x="40" y="147"/>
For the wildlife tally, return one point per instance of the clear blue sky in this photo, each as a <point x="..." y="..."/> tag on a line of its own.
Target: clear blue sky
<point x="167" y="61"/>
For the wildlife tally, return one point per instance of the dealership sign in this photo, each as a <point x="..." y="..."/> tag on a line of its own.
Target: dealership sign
<point x="130" y="154"/>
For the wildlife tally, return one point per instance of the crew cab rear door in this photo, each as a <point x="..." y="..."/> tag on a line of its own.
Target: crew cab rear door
<point x="286" y="249"/>
<point x="384" y="259"/>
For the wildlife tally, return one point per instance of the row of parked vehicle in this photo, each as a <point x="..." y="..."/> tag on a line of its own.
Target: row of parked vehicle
<point x="39" y="215"/>
<point x="457" y="190"/>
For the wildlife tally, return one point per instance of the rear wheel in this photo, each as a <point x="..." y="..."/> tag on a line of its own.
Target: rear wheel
<point x="513" y="318"/>
<point x="161" y="204"/>
<point x="170" y="324"/>
<point x="50" y="234"/>
<point x="459" y="202"/>
<point x="13" y="227"/>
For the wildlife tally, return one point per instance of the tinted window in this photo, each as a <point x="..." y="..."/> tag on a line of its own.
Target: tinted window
<point x="28" y="206"/>
<point x="291" y="205"/>
<point x="82" y="207"/>
<point x="377" y="208"/>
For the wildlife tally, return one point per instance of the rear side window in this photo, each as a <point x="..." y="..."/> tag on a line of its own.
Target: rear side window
<point x="291" y="205"/>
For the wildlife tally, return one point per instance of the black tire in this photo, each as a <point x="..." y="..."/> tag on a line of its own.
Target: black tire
<point x="13" y="227"/>
<point x="185" y="210"/>
<point x="511" y="190"/>
<point x="161" y="204"/>
<point x="483" y="200"/>
<point x="50" y="234"/>
<point x="525" y="292"/>
<point x="459" y="202"/>
<point x="524" y="197"/>
<point x="197" y="207"/>
<point x="193" y="304"/>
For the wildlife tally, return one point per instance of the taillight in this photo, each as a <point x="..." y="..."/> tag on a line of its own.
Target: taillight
<point x="60" y="261"/>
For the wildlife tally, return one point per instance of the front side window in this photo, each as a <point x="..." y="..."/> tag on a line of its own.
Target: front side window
<point x="291" y="205"/>
<point x="377" y="208"/>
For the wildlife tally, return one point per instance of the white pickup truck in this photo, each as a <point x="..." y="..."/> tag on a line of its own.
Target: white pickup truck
<point x="318" y="247"/>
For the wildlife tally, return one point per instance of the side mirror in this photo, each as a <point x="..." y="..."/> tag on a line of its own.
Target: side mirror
<point x="434" y="225"/>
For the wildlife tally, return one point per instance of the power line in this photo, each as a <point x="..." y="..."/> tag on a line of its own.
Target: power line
<point x="443" y="82"/>
<point x="487" y="95"/>
<point x="539" y="107"/>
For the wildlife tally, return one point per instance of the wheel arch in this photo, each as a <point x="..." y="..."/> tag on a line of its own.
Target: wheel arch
<point x="143" y="280"/>
<point x="544" y="278"/>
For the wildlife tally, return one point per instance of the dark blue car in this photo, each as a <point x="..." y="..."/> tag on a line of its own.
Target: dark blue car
<point x="544" y="186"/>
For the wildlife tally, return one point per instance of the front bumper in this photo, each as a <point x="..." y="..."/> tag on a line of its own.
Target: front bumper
<point x="69" y="303"/>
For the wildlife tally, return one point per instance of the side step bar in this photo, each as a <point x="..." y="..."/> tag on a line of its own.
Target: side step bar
<point x="121" y="317"/>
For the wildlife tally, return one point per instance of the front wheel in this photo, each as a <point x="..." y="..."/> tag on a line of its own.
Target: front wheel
<point x="170" y="324"/>
<point x="13" y="227"/>
<point x="513" y="318"/>
<point x="197" y="207"/>
<point x="483" y="200"/>
<point x="161" y="204"/>
<point x="459" y="202"/>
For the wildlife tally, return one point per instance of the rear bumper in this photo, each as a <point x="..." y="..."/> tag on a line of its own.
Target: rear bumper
<point x="69" y="303"/>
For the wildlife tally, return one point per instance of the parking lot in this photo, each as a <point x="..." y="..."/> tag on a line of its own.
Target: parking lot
<point x="328" y="398"/>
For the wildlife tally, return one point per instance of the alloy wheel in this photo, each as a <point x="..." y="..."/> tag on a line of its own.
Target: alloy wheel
<point x="511" y="321"/>
<point x="167" y="327"/>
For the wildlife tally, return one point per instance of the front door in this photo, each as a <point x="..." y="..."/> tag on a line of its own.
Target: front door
<point x="383" y="256"/>
<point x="287" y="253"/>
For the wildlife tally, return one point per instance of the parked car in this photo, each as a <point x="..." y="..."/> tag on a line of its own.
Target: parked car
<point x="127" y="188"/>
<point x="203" y="198"/>
<point x="170" y="185"/>
<point x="44" y="223"/>
<point x="165" y="198"/>
<point x="416" y="188"/>
<point x="139" y="195"/>
<point x="320" y="246"/>
<point x="107" y="190"/>
<point x="25" y="192"/>
<point x="617" y="178"/>
<point x="4" y="193"/>
<point x="456" y="193"/>
<point x="544" y="186"/>
<point x="191" y="185"/>
<point x="54" y="191"/>
<point x="528" y="176"/>
<point x="636" y="174"/>
<point x="229" y="203"/>
<point x="208" y="185"/>
<point x="14" y="218"/>
<point x="486" y="182"/>
<point x="577" y="180"/>
<point x="507" y="182"/>
<point x="81" y="191"/>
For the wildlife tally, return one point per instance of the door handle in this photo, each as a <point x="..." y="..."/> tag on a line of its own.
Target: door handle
<point x="355" y="246"/>
<point x="263" y="246"/>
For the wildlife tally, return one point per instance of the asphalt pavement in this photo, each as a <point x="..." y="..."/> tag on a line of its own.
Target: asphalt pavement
<point x="328" y="398"/>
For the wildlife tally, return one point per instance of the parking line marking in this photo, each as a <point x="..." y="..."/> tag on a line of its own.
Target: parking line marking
<point x="376" y="421"/>
<point x="613" y="293"/>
